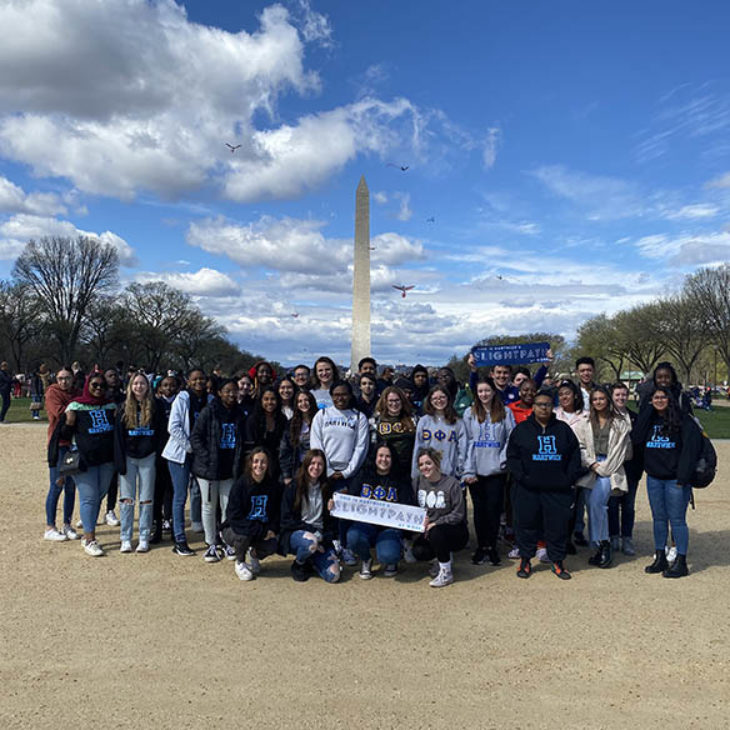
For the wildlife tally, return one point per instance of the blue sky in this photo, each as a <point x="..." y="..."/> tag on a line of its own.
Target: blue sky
<point x="574" y="157"/>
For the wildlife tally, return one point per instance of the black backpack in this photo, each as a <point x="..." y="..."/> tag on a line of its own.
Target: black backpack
<point x="706" y="466"/>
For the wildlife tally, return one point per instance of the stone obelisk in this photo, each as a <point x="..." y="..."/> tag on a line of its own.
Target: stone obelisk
<point x="361" y="276"/>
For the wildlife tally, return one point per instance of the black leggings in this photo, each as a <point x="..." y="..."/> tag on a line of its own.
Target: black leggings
<point x="487" y="496"/>
<point x="111" y="495"/>
<point x="440" y="541"/>
<point x="241" y="543"/>
<point x="162" y="507"/>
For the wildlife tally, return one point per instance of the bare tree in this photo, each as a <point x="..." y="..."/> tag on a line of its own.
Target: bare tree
<point x="21" y="321"/>
<point x="634" y="326"/>
<point x="602" y="339"/>
<point x="67" y="274"/>
<point x="710" y="290"/>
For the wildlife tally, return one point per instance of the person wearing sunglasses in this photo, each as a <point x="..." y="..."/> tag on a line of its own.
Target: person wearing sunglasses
<point x="89" y="421"/>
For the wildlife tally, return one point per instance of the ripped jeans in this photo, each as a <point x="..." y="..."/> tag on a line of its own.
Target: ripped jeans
<point x="325" y="563"/>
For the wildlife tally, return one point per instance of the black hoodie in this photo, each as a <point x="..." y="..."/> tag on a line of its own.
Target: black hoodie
<point x="544" y="458"/>
<point x="253" y="507"/>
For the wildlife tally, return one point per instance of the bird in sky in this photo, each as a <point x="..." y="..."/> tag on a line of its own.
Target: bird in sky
<point x="372" y="248"/>
<point x="295" y="314"/>
<point x="402" y="168"/>
<point x="403" y="289"/>
<point x="232" y="148"/>
<point x="431" y="220"/>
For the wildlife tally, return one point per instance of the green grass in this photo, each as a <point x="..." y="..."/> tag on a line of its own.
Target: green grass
<point x="19" y="412"/>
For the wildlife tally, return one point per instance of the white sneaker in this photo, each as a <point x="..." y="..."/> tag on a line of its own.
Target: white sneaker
<point x="126" y="546"/>
<point x="253" y="562"/>
<point x="93" y="548"/>
<point x="243" y="571"/>
<point x="445" y="577"/>
<point x="671" y="553"/>
<point x="70" y="533"/>
<point x="542" y="555"/>
<point x="54" y="535"/>
<point x="348" y="557"/>
<point x="111" y="519"/>
<point x="366" y="572"/>
<point x="433" y="569"/>
<point x="79" y="523"/>
<point x="143" y="546"/>
<point x="514" y="553"/>
<point x="197" y="527"/>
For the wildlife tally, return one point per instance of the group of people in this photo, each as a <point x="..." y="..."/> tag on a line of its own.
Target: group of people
<point x="261" y="458"/>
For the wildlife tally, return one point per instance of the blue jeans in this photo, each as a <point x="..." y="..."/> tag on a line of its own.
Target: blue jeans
<point x="93" y="485"/>
<point x="140" y="474"/>
<point x="668" y="503"/>
<point x="180" y="475"/>
<point x="626" y="503"/>
<point x="361" y="536"/>
<point x="597" y="504"/>
<point x="324" y="563"/>
<point x="54" y="492"/>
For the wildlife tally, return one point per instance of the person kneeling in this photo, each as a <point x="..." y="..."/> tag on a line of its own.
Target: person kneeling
<point x="543" y="456"/>
<point x="306" y="526"/>
<point x="252" y="516"/>
<point x="446" y="531"/>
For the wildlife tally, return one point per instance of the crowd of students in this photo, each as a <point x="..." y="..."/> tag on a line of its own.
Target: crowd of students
<point x="260" y="457"/>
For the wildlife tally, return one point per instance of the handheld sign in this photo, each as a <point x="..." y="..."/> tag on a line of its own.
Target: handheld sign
<point x="521" y="354"/>
<point x="387" y="514"/>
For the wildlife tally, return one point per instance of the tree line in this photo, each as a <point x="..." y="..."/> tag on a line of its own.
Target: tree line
<point x="63" y="303"/>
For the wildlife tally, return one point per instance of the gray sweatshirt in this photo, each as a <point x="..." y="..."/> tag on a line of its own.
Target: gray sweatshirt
<point x="487" y="450"/>
<point x="443" y="500"/>
<point x="447" y="438"/>
<point x="344" y="438"/>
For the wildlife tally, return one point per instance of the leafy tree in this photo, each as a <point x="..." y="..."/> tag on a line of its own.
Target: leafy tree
<point x="21" y="320"/>
<point x="635" y="329"/>
<point x="67" y="275"/>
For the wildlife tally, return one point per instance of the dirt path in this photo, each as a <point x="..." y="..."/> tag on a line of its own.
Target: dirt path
<point x="135" y="641"/>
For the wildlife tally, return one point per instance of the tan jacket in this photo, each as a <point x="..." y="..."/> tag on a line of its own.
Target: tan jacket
<point x="619" y="442"/>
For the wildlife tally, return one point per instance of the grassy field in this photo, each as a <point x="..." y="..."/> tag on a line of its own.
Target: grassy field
<point x="715" y="422"/>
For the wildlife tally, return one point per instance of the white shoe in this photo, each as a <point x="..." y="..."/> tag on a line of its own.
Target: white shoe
<point x="70" y="533"/>
<point x="348" y="557"/>
<point x="197" y="527"/>
<point x="433" y="569"/>
<point x="253" y="562"/>
<point x="671" y="553"/>
<point x="111" y="519"/>
<point x="93" y="548"/>
<point x="79" y="523"/>
<point x="408" y="555"/>
<point x="126" y="546"/>
<point x="445" y="577"/>
<point x="54" y="535"/>
<point x="542" y="555"/>
<point x="243" y="571"/>
<point x="143" y="546"/>
<point x="366" y="572"/>
<point x="514" y="553"/>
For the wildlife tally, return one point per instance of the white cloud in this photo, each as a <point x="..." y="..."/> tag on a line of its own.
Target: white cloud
<point x="691" y="212"/>
<point x="205" y="282"/>
<point x="492" y="143"/>
<point x="687" y="250"/>
<point x="14" y="199"/>
<point x="720" y="182"/>
<point x="16" y="231"/>
<point x="404" y="210"/>
<point x="381" y="197"/>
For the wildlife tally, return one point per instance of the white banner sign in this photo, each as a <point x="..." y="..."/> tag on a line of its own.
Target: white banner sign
<point x="387" y="514"/>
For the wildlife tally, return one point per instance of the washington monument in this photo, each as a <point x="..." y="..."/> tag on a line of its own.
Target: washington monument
<point x="361" y="276"/>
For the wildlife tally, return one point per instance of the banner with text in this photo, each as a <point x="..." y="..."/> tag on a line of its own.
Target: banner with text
<point x="522" y="354"/>
<point x="387" y="514"/>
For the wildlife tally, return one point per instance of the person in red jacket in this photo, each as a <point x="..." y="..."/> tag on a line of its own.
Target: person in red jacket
<point x="58" y="396"/>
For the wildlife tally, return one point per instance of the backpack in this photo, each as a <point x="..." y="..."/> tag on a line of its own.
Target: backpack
<point x="706" y="466"/>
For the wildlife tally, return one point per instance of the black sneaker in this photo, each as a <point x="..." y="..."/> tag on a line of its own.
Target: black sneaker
<point x="182" y="548"/>
<point x="560" y="571"/>
<point x="525" y="570"/>
<point x="480" y="556"/>
<point x="493" y="556"/>
<point x="211" y="554"/>
<point x="299" y="572"/>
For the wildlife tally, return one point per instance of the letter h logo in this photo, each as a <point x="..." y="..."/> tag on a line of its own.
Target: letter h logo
<point x="547" y="445"/>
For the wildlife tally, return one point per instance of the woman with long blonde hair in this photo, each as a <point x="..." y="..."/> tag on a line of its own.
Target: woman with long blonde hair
<point x="139" y="433"/>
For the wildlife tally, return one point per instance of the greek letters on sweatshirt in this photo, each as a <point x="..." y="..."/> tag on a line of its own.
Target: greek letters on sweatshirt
<point x="343" y="436"/>
<point x="447" y="438"/>
<point x="443" y="500"/>
<point x="487" y="443"/>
